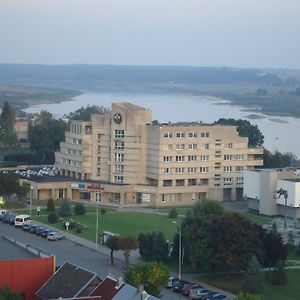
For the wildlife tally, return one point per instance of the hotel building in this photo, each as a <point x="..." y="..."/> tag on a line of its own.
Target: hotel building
<point x="122" y="157"/>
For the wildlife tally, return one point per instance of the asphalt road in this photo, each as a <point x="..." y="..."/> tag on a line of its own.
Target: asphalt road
<point x="66" y="250"/>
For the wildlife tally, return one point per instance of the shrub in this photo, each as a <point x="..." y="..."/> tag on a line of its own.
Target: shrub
<point x="65" y="209"/>
<point x="50" y="205"/>
<point x="173" y="213"/>
<point x="103" y="211"/>
<point x="278" y="276"/>
<point x="52" y="218"/>
<point x="79" y="209"/>
<point x="78" y="229"/>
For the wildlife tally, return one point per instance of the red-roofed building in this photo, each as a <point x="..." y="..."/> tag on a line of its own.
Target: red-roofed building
<point x="108" y="288"/>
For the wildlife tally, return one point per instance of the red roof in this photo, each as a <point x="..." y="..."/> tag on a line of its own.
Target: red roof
<point x="107" y="289"/>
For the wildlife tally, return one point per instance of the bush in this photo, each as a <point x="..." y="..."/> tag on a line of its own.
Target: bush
<point x="173" y="213"/>
<point x="50" y="205"/>
<point x="52" y="218"/>
<point x="65" y="209"/>
<point x="78" y="229"/>
<point x="103" y="211"/>
<point x="278" y="276"/>
<point x="79" y="209"/>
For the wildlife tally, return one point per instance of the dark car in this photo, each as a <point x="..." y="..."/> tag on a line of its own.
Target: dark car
<point x="6" y="217"/>
<point x="188" y="287"/>
<point x="11" y="220"/>
<point x="218" y="296"/>
<point x="45" y="232"/>
<point x="39" y="230"/>
<point x="26" y="227"/>
<point x="178" y="285"/>
<point x="32" y="228"/>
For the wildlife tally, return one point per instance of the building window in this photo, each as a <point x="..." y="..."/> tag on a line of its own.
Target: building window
<point x="192" y="181"/>
<point x="227" y="169"/>
<point x="119" y="179"/>
<point x="227" y="157"/>
<point x="239" y="156"/>
<point x="167" y="158"/>
<point x="203" y="169"/>
<point x="168" y="135"/>
<point x="239" y="181"/>
<point x="167" y="170"/>
<point x="179" y="158"/>
<point x="206" y="146"/>
<point x="227" y="181"/>
<point x="119" y="145"/>
<point x="180" y="135"/>
<point x="192" y="146"/>
<point x="167" y="183"/>
<point x="180" y="147"/>
<point x="119" y="157"/>
<point x="98" y="171"/>
<point x="120" y="169"/>
<point x="192" y="158"/>
<point x="192" y="170"/>
<point x="99" y="136"/>
<point x="204" y="157"/>
<point x="179" y="170"/>
<point x="179" y="182"/>
<point x="119" y="133"/>
<point x="230" y="145"/>
<point x="192" y="134"/>
<point x="239" y="168"/>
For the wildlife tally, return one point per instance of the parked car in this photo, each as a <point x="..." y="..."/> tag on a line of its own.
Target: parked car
<point x="199" y="293"/>
<point x="218" y="296"/>
<point x="3" y="212"/>
<point x="39" y="230"/>
<point x="5" y="218"/>
<point x="178" y="285"/>
<point x="54" y="236"/>
<point x="188" y="287"/>
<point x="171" y="280"/>
<point x="32" y="228"/>
<point x="45" y="232"/>
<point x="11" y="220"/>
<point x="26" y="227"/>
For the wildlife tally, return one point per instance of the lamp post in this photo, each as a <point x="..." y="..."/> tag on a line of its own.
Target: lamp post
<point x="30" y="200"/>
<point x="97" y="217"/>
<point x="284" y="193"/>
<point x="179" y="250"/>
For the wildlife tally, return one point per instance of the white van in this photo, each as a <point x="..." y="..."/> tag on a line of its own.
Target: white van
<point x="22" y="220"/>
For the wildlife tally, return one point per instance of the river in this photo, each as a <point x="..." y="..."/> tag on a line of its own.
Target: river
<point x="281" y="133"/>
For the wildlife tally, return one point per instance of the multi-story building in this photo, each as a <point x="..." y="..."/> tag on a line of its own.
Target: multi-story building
<point x="123" y="157"/>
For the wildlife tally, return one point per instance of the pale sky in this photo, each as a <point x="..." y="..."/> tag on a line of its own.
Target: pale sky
<point x="237" y="33"/>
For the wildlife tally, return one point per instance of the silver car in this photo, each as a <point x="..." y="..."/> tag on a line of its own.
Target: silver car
<point x="54" y="236"/>
<point x="199" y="293"/>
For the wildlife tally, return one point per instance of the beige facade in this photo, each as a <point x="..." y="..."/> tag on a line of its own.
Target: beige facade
<point x="121" y="157"/>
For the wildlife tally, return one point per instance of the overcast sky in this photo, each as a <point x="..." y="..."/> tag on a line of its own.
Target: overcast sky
<point x="238" y="33"/>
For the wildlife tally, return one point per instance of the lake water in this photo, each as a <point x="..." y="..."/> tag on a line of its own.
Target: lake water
<point x="281" y="133"/>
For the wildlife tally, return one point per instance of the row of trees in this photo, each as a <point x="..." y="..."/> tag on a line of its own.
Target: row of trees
<point x="217" y="241"/>
<point x="8" y="137"/>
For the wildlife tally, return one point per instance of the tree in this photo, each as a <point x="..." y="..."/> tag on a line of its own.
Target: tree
<point x="245" y="129"/>
<point x="45" y="135"/>
<point x="153" y="246"/>
<point x="291" y="240"/>
<point x="278" y="159"/>
<point x="278" y="275"/>
<point x="52" y="217"/>
<point x="247" y="296"/>
<point x="65" y="209"/>
<point x="9" y="184"/>
<point x="7" y="119"/>
<point x="254" y="277"/>
<point x="22" y="190"/>
<point x="6" y="293"/>
<point x="152" y="275"/>
<point x="113" y="243"/>
<point x="127" y="244"/>
<point x="79" y="209"/>
<point x="173" y="213"/>
<point x="50" y="205"/>
<point x="84" y="113"/>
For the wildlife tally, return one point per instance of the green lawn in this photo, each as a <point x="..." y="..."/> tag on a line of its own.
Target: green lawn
<point x="123" y="223"/>
<point x="293" y="256"/>
<point x="256" y="218"/>
<point x="13" y="205"/>
<point x="232" y="283"/>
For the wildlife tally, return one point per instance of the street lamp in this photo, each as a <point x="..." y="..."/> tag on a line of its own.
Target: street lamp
<point x="30" y="200"/>
<point x="179" y="250"/>
<point x="97" y="218"/>
<point x="284" y="193"/>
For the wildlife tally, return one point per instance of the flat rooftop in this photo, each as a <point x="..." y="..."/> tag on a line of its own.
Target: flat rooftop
<point x="10" y="251"/>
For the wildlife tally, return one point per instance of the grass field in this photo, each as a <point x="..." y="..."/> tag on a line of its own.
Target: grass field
<point x="256" y="218"/>
<point x="123" y="223"/>
<point x="232" y="283"/>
